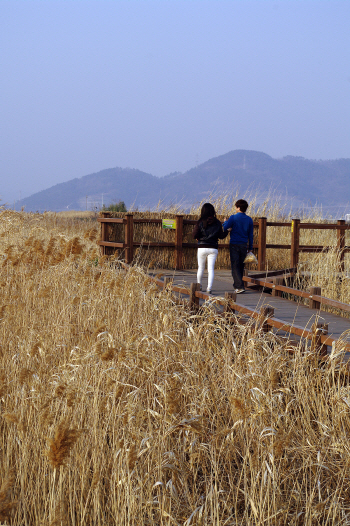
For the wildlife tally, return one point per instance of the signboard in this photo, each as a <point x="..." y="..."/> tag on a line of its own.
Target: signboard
<point x="169" y="223"/>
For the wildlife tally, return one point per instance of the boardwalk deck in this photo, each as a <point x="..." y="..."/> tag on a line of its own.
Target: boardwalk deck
<point x="291" y="312"/>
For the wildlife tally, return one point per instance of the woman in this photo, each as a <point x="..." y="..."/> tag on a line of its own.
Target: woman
<point x="208" y="231"/>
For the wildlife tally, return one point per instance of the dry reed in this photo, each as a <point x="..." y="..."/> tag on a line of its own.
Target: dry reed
<point x="187" y="419"/>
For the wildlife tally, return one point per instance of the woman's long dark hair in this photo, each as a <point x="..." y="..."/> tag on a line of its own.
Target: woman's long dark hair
<point x="207" y="211"/>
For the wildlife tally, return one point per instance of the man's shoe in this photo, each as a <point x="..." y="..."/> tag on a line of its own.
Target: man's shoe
<point x="208" y="291"/>
<point x="239" y="291"/>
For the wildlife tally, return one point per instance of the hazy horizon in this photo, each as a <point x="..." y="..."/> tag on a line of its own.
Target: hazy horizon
<point x="164" y="85"/>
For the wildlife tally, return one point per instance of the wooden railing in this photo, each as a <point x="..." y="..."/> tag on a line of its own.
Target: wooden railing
<point x="265" y="317"/>
<point x="314" y="297"/>
<point x="262" y="224"/>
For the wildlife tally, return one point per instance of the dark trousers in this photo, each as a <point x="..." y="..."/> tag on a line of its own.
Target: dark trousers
<point x="237" y="255"/>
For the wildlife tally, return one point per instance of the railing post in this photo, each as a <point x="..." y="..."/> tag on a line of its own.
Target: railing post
<point x="295" y="231"/>
<point x="178" y="242"/>
<point x="319" y="329"/>
<point x="194" y="301"/>
<point x="230" y="297"/>
<point x="277" y="281"/>
<point x="265" y="312"/>
<point x="315" y="304"/>
<point x="129" y="238"/>
<point x="341" y="245"/>
<point x="104" y="231"/>
<point x="262" y="244"/>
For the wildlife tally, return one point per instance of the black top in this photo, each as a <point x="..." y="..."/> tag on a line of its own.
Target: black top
<point x="208" y="235"/>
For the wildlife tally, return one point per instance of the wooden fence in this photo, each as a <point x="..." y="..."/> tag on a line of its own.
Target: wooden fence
<point x="128" y="244"/>
<point x="265" y="317"/>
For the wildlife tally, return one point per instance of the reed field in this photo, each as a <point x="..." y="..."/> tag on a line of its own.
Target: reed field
<point x="119" y="406"/>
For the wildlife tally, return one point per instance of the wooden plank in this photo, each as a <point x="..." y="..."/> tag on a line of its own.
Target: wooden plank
<point x="269" y="273"/>
<point x="262" y="244"/>
<point x="341" y="244"/>
<point x="318" y="329"/>
<point x="202" y="295"/>
<point x="332" y="303"/>
<point x="314" y="303"/>
<point x="278" y="223"/>
<point x="167" y="281"/>
<point x="146" y="220"/>
<point x="180" y="290"/>
<point x="318" y="226"/>
<point x="119" y="220"/>
<point x="277" y="282"/>
<point x="129" y="238"/>
<point x="282" y="288"/>
<point x="271" y="245"/>
<point x="294" y="250"/>
<point x="295" y="292"/>
<point x="302" y="332"/>
<point x="194" y="299"/>
<point x="111" y="244"/>
<point x="178" y="242"/>
<point x="230" y="298"/>
<point x="158" y="282"/>
<point x="104" y="233"/>
<point x="158" y="244"/>
<point x="313" y="248"/>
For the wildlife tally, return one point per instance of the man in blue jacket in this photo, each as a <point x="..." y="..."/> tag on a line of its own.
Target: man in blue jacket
<point x="241" y="227"/>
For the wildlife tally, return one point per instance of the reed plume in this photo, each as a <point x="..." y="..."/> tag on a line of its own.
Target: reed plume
<point x="61" y="445"/>
<point x="7" y="505"/>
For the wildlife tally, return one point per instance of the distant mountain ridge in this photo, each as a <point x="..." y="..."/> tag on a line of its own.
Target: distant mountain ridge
<point x="326" y="183"/>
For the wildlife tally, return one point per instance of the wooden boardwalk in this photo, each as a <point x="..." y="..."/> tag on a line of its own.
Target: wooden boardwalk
<point x="292" y="312"/>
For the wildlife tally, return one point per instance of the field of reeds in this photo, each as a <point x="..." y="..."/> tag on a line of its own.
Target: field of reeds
<point x="121" y="407"/>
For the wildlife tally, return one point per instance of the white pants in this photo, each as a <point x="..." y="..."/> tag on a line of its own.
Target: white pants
<point x="203" y="254"/>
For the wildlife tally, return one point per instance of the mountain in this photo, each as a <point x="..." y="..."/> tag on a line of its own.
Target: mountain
<point x="305" y="181"/>
<point x="94" y="190"/>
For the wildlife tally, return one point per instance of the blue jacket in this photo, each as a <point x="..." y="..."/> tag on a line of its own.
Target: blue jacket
<point x="242" y="229"/>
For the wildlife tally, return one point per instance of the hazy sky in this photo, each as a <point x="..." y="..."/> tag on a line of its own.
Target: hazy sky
<point x="163" y="85"/>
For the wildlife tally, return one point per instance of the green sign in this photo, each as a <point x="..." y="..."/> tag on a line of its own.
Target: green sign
<point x="169" y="223"/>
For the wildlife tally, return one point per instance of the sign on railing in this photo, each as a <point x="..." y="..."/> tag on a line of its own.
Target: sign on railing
<point x="169" y="224"/>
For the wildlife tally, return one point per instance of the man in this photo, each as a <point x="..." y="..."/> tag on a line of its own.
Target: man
<point x="241" y="227"/>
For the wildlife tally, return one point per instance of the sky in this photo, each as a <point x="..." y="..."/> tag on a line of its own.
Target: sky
<point x="163" y="85"/>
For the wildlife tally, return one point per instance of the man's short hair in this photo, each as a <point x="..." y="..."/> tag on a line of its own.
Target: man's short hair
<point x="242" y="205"/>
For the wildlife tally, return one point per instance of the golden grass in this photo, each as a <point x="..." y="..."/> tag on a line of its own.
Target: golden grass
<point x="118" y="406"/>
<point x="73" y="214"/>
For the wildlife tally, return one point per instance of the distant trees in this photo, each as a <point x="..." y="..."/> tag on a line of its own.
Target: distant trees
<point x="115" y="207"/>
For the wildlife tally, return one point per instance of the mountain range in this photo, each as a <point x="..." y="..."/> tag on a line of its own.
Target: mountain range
<point x="301" y="181"/>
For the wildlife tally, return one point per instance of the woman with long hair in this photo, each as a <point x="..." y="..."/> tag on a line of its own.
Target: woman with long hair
<point x="207" y="231"/>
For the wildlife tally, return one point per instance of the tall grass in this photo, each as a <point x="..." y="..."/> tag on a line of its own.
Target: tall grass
<point x="118" y="406"/>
